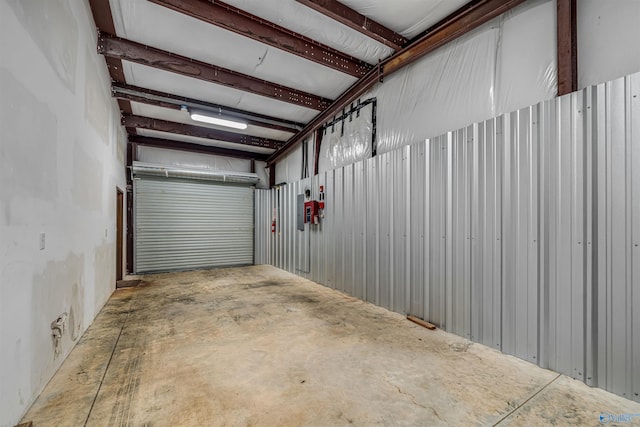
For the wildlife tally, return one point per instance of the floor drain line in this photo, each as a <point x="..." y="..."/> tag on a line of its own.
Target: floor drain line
<point x="527" y="401"/>
<point x="95" y="398"/>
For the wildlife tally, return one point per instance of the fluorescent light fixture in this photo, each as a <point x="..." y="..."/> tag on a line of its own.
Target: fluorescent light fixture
<point x="206" y="117"/>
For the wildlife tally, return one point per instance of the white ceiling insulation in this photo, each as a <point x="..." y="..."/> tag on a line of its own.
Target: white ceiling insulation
<point x="407" y="17"/>
<point x="165" y="81"/>
<point x="204" y="42"/>
<point x="301" y="19"/>
<point x="161" y="27"/>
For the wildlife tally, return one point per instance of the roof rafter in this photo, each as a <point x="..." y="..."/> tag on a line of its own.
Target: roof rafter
<point x="101" y="11"/>
<point x="197" y="131"/>
<point x="248" y="25"/>
<point x="127" y="92"/>
<point x="465" y="19"/>
<point x="194" y="148"/>
<point x="358" y="22"/>
<point x="116" y="47"/>
<point x="567" y="46"/>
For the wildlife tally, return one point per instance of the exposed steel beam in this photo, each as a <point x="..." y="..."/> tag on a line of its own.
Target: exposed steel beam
<point x="316" y="159"/>
<point x="272" y="175"/>
<point x="197" y="131"/>
<point x="471" y="16"/>
<point x="101" y="11"/>
<point x="127" y="92"/>
<point x="567" y="47"/>
<point x="194" y="148"/>
<point x="465" y="19"/>
<point x="243" y="23"/>
<point x="102" y="17"/>
<point x="358" y="22"/>
<point x="116" y="47"/>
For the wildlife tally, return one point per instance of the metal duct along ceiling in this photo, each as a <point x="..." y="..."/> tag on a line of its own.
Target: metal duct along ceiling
<point x="521" y="233"/>
<point x="190" y="224"/>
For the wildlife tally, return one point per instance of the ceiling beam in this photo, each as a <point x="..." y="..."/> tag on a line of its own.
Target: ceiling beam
<point x="567" y="47"/>
<point x="358" y="22"/>
<point x="102" y="17"/>
<point x="122" y="91"/>
<point x="116" y="47"/>
<point x="465" y="19"/>
<point x="140" y="122"/>
<point x="194" y="148"/>
<point x="243" y="23"/>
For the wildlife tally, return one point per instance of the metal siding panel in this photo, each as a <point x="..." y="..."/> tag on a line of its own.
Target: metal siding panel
<point x="288" y="244"/>
<point x="591" y="301"/>
<point x="528" y="204"/>
<point x="339" y="204"/>
<point x="293" y="249"/>
<point x="620" y="231"/>
<point x="485" y="250"/>
<point x="459" y="240"/>
<point x="279" y="226"/>
<point x="400" y="229"/>
<point x="578" y="253"/>
<point x="563" y="239"/>
<point x="508" y="255"/>
<point x="522" y="230"/>
<point x="557" y="240"/>
<point x="448" y="227"/>
<point x="350" y="234"/>
<point x="438" y="153"/>
<point x="371" y="234"/>
<point x="386" y="179"/>
<point x="358" y="216"/>
<point x="501" y="136"/>
<point x="477" y="236"/>
<point x="633" y="197"/>
<point x="259" y="236"/>
<point x="284" y="232"/>
<point x="417" y="282"/>
<point x="520" y="315"/>
<point x="546" y="324"/>
<point x="324" y="260"/>
<point x="183" y="224"/>
<point x="336" y="238"/>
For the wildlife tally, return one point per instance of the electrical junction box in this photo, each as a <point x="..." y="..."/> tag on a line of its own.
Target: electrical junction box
<point x="311" y="212"/>
<point x="300" y="212"/>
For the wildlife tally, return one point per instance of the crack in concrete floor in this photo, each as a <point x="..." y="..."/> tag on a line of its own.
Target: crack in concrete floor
<point x="259" y="346"/>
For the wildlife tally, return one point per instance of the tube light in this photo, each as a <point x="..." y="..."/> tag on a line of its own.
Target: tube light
<point x="201" y="116"/>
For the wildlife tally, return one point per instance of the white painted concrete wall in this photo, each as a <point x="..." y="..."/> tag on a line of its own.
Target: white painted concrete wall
<point x="61" y="158"/>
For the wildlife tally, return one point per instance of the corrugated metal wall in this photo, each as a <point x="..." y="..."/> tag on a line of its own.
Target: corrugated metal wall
<point x="521" y="233"/>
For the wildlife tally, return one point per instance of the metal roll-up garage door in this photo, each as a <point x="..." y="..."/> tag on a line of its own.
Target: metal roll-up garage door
<point x="189" y="224"/>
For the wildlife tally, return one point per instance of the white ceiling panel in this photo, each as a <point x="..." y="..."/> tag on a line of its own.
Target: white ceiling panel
<point x="178" y="116"/>
<point x="164" y="81"/>
<point x="157" y="26"/>
<point x="203" y="141"/>
<point x="303" y="20"/>
<point x="190" y="37"/>
<point x="406" y="17"/>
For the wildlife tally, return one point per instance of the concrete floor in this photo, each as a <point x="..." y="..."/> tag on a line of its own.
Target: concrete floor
<point x="259" y="346"/>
